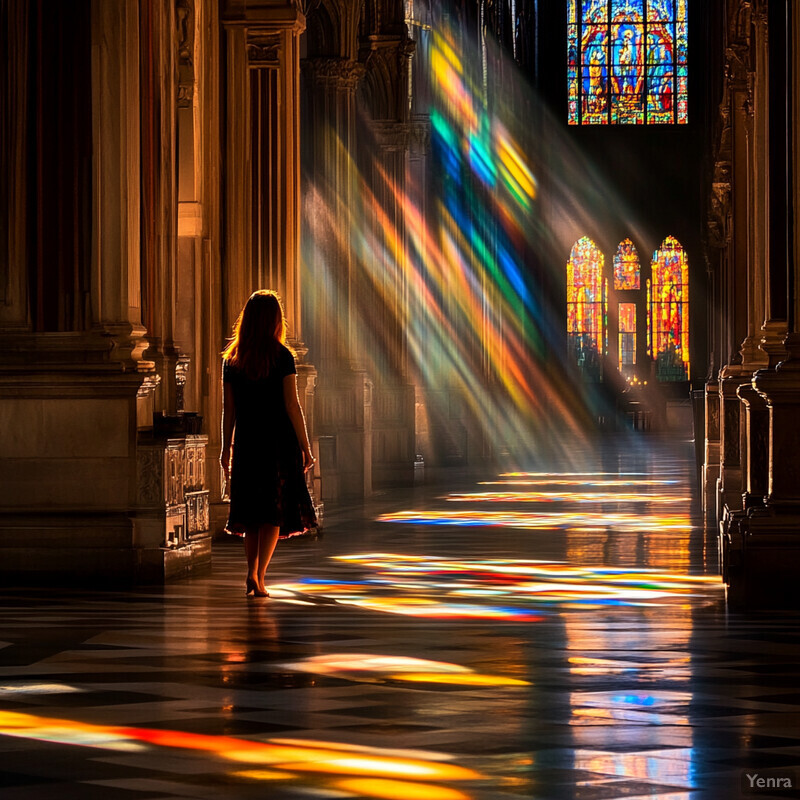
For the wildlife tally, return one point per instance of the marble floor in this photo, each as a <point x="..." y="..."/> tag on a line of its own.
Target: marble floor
<point x="553" y="633"/>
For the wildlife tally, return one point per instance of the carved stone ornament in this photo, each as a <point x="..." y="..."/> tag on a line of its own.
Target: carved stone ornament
<point x="719" y="215"/>
<point x="149" y="385"/>
<point x="184" y="19"/>
<point x="264" y="49"/>
<point x="341" y="73"/>
<point x="150" y="475"/>
<point x="181" y="368"/>
<point x="185" y="95"/>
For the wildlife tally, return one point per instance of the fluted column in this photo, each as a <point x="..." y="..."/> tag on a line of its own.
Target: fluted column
<point x="262" y="169"/>
<point x="13" y="161"/>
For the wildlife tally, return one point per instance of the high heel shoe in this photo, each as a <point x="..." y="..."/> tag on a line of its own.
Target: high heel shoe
<point x="252" y="590"/>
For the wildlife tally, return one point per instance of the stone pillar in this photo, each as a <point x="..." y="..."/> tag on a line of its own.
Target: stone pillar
<point x="747" y="103"/>
<point x="159" y="245"/>
<point x="74" y="384"/>
<point x="262" y="172"/>
<point x="711" y="462"/>
<point x="761" y="547"/>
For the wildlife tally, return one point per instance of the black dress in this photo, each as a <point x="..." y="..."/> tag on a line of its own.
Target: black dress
<point x="267" y="485"/>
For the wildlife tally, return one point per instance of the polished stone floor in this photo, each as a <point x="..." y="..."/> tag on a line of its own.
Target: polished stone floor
<point x="501" y="634"/>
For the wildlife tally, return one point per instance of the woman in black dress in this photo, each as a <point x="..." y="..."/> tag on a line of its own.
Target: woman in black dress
<point x="263" y="423"/>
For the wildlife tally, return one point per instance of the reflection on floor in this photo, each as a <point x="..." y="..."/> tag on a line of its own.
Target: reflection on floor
<point x="542" y="644"/>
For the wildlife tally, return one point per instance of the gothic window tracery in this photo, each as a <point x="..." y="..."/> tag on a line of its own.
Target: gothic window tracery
<point x="663" y="300"/>
<point x="627" y="62"/>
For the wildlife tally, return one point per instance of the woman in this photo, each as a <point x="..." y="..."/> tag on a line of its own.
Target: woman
<point x="271" y="453"/>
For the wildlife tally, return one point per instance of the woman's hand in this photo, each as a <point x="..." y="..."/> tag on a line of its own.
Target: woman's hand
<point x="308" y="459"/>
<point x="225" y="461"/>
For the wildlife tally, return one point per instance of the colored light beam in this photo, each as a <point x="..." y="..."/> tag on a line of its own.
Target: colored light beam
<point x="441" y="291"/>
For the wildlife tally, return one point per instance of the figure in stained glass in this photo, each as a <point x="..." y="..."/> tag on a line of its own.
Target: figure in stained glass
<point x="628" y="51"/>
<point x="668" y="312"/>
<point x="586" y="307"/>
<point x="627" y="270"/>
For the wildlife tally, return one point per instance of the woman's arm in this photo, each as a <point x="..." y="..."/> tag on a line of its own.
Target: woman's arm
<point x="228" y="424"/>
<point x="295" y="412"/>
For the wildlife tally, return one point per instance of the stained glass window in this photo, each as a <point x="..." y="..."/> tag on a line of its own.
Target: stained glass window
<point x="627" y="62"/>
<point x="586" y="306"/>
<point x="627" y="337"/>
<point x="668" y="312"/>
<point x="626" y="266"/>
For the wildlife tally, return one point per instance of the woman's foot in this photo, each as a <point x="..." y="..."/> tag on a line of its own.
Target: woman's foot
<point x="253" y="589"/>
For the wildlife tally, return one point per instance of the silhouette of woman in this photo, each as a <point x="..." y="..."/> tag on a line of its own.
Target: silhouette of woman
<point x="264" y="428"/>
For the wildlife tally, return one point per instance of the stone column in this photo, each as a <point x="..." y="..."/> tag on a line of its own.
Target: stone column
<point x="159" y="92"/>
<point x="744" y="281"/>
<point x="762" y="550"/>
<point x="262" y="171"/>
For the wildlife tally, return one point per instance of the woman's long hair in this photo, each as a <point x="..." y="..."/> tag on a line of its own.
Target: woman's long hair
<point x="258" y="335"/>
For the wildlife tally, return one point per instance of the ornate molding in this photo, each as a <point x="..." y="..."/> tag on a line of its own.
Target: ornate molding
<point x="264" y="49"/>
<point x="339" y="73"/>
<point x="181" y="370"/>
<point x="184" y="19"/>
<point x="149" y="385"/>
<point x="185" y="95"/>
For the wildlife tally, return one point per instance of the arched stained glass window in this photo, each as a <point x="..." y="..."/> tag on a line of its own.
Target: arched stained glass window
<point x="586" y="306"/>
<point x="627" y="62"/>
<point x="668" y="312"/>
<point x="626" y="266"/>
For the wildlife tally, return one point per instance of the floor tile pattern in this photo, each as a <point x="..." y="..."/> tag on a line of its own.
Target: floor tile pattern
<point x="552" y="634"/>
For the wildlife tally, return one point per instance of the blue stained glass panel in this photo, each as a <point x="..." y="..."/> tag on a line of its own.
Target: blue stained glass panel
<point x="594" y="11"/>
<point x="660" y="45"/>
<point x="595" y="44"/>
<point x="610" y="42"/>
<point x="572" y="46"/>
<point x="660" y="95"/>
<point x="682" y="39"/>
<point x="660" y="10"/>
<point x="627" y="10"/>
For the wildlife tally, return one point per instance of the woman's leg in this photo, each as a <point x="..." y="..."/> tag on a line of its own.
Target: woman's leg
<point x="267" y="539"/>
<point x="251" y="539"/>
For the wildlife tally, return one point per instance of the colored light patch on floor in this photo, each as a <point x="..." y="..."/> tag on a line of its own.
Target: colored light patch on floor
<point x="676" y="668"/>
<point x="317" y="765"/>
<point x="371" y="668"/>
<point x="565" y="497"/>
<point x="578" y="482"/>
<point x="499" y="589"/>
<point x="625" y="522"/>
